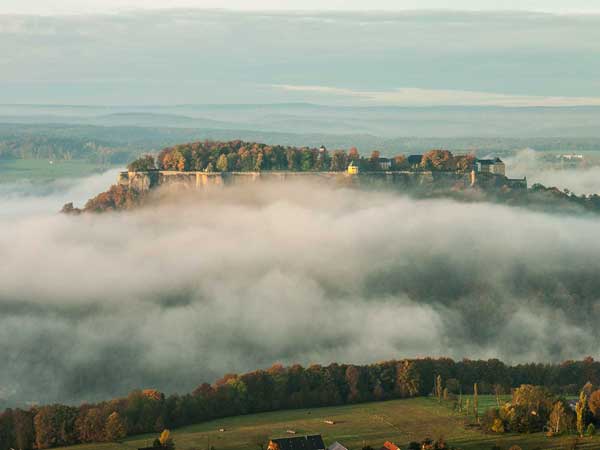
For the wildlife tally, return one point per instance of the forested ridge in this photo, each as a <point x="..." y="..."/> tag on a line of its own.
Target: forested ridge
<point x="237" y="155"/>
<point x="279" y="388"/>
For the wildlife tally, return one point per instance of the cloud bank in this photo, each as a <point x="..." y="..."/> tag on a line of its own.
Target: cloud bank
<point x="439" y="97"/>
<point x="231" y="280"/>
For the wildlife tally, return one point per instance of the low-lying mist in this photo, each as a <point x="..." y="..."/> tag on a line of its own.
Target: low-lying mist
<point x="230" y="280"/>
<point x="530" y="163"/>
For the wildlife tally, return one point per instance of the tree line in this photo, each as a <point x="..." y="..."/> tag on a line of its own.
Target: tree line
<point x="240" y="156"/>
<point x="276" y="388"/>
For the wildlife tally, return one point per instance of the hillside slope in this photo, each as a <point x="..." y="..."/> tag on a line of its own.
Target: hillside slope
<point x="400" y="421"/>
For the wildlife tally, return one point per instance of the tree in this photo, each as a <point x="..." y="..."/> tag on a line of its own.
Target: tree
<point x="407" y="383"/>
<point x="438" y="160"/>
<point x="557" y="423"/>
<point x="475" y="402"/>
<point x="222" y="163"/>
<point x="464" y="162"/>
<point x="24" y="431"/>
<point x="339" y="161"/>
<point x="594" y="404"/>
<point x="580" y="410"/>
<point x="142" y="164"/>
<point x="374" y="159"/>
<point x="400" y="162"/>
<point x="174" y="160"/>
<point x="438" y="388"/>
<point x="55" y="426"/>
<point x="115" y="428"/>
<point x="166" y="441"/>
<point x="90" y="425"/>
<point x="353" y="154"/>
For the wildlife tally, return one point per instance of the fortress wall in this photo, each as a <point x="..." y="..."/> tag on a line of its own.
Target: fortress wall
<point x="143" y="181"/>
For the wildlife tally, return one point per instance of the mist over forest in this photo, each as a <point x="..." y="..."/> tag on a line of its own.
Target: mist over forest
<point x="189" y="288"/>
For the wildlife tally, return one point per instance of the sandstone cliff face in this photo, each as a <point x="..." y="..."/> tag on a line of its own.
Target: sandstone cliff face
<point x="144" y="181"/>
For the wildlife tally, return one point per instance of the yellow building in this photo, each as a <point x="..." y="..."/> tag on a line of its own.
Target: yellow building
<point x="352" y="168"/>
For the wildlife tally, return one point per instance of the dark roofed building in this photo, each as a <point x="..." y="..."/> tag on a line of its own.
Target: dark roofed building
<point x="314" y="442"/>
<point x="495" y="166"/>
<point x="414" y="160"/>
<point x="385" y="163"/>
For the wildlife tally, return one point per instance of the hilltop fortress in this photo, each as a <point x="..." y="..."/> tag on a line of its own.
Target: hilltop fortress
<point x="484" y="174"/>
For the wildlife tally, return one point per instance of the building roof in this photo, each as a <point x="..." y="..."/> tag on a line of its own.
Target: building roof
<point x="390" y="446"/>
<point x="414" y="159"/>
<point x="336" y="446"/>
<point x="314" y="442"/>
<point x="489" y="162"/>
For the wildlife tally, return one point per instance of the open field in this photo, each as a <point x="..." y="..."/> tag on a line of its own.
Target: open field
<point x="40" y="170"/>
<point x="400" y="421"/>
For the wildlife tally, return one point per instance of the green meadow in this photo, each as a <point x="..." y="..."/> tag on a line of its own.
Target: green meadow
<point x="400" y="421"/>
<point x="42" y="170"/>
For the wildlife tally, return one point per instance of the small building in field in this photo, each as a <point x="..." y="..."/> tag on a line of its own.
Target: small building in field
<point x="353" y="168"/>
<point x="313" y="442"/>
<point x="494" y="166"/>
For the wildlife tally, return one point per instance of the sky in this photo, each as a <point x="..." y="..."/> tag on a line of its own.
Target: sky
<point x="79" y="6"/>
<point x="338" y="57"/>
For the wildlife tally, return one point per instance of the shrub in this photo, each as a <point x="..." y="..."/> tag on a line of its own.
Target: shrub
<point x="591" y="430"/>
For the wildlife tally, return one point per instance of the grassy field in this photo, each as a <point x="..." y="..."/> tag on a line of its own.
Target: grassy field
<point x="42" y="170"/>
<point x="400" y="421"/>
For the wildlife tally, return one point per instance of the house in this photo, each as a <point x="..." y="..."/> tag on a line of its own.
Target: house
<point x="336" y="446"/>
<point x="414" y="161"/>
<point x="390" y="446"/>
<point x="494" y="166"/>
<point x="313" y="442"/>
<point x="353" y="168"/>
<point x="384" y="163"/>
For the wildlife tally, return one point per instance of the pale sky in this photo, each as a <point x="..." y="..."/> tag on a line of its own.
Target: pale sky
<point x="216" y="56"/>
<point x="47" y="7"/>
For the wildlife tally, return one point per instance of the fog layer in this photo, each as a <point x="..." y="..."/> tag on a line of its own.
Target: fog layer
<point x="531" y="164"/>
<point x="186" y="290"/>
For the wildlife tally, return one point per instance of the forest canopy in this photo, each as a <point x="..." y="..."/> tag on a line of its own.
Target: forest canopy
<point x="240" y="156"/>
<point x="279" y="387"/>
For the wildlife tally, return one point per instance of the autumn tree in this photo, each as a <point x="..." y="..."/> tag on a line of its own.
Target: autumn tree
<point x="438" y="388"/>
<point x="407" y="381"/>
<point x="464" y="162"/>
<point x="594" y="404"/>
<point x="400" y="162"/>
<point x="438" y="160"/>
<point x="580" y="411"/>
<point x="166" y="441"/>
<point x="115" y="428"/>
<point x="55" y="426"/>
<point x="339" y="161"/>
<point x="173" y="160"/>
<point x="558" y="421"/>
<point x="90" y="425"/>
<point x="222" y="163"/>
